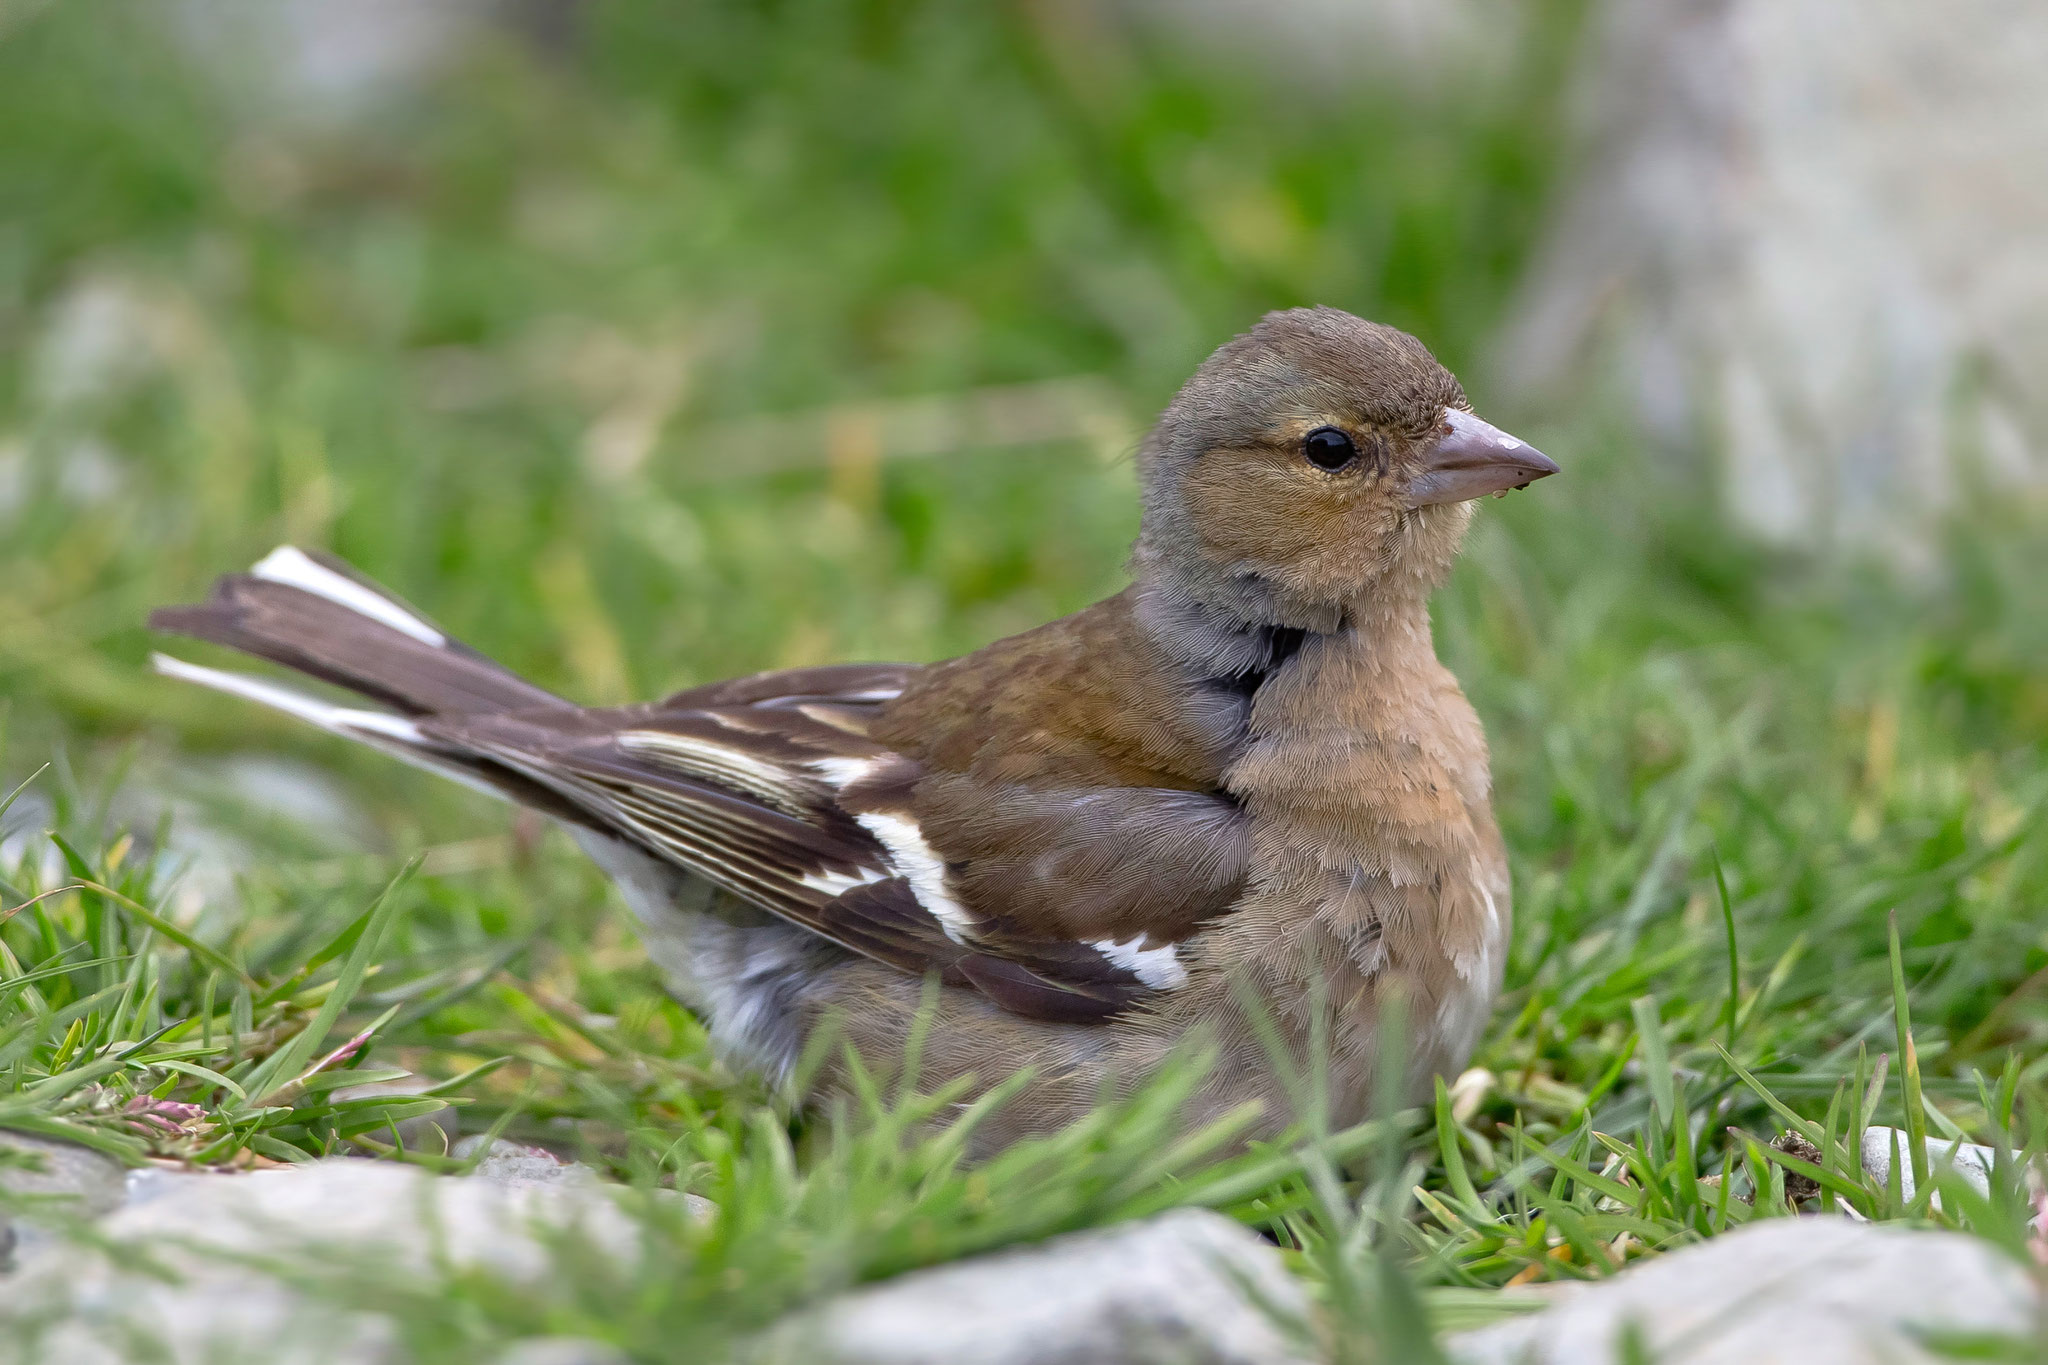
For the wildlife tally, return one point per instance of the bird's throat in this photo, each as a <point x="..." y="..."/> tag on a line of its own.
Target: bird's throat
<point x="1238" y="630"/>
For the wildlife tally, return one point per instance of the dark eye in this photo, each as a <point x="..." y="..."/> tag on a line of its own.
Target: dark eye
<point x="1328" y="448"/>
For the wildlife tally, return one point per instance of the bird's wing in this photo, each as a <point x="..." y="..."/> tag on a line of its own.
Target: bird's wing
<point x="777" y="796"/>
<point x="1071" y="781"/>
<point x="787" y="789"/>
<point x="831" y="684"/>
<point x="1132" y="866"/>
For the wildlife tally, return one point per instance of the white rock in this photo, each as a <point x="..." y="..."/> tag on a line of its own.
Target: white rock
<point x="517" y="1166"/>
<point x="221" y="1235"/>
<point x="158" y="1179"/>
<point x="1189" y="1287"/>
<point x="1972" y="1163"/>
<point x="62" y="1179"/>
<point x="1796" y="1291"/>
<point x="1803" y="230"/>
<point x="83" y="1180"/>
<point x="505" y="1162"/>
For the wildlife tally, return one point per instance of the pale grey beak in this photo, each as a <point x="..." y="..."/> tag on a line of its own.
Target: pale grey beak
<point x="1473" y="458"/>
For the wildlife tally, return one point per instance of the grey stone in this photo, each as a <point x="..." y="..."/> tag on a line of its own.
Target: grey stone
<point x="1972" y="1163"/>
<point x="504" y="1162"/>
<point x="1795" y="227"/>
<point x="233" y="1242"/>
<point x="1801" y="1291"/>
<point x="89" y="1182"/>
<point x="518" y="1166"/>
<point x="62" y="1179"/>
<point x="158" y="1179"/>
<point x="1189" y="1287"/>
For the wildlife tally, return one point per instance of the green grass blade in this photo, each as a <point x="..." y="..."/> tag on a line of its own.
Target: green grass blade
<point x="1656" y="1057"/>
<point x="15" y="795"/>
<point x="1909" y="1063"/>
<point x="1453" y="1158"/>
<point x="211" y="956"/>
<point x="284" y="1065"/>
<point x="1732" y="1010"/>
<point x="1806" y="1128"/>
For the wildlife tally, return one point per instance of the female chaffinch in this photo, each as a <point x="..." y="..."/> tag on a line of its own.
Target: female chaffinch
<point x="1244" y="785"/>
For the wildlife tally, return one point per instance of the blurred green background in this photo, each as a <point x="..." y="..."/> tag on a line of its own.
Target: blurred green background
<point x="492" y="340"/>
<point x="659" y="343"/>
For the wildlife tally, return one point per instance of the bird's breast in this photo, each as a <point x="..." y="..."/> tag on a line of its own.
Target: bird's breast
<point x="1373" y="851"/>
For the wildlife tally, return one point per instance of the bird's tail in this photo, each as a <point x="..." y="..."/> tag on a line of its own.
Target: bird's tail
<point x="316" y="615"/>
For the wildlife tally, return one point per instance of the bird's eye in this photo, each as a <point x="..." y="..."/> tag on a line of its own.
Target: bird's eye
<point x="1328" y="448"/>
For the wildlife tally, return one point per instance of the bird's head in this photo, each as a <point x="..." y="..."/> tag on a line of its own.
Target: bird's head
<point x="1313" y="463"/>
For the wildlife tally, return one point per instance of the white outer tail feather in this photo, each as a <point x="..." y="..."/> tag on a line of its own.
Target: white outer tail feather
<point x="395" y="735"/>
<point x="341" y="720"/>
<point x="294" y="568"/>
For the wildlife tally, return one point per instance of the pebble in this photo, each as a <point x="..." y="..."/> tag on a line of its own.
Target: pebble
<point x="77" y="1304"/>
<point x="1816" y="1290"/>
<point x="1186" y="1288"/>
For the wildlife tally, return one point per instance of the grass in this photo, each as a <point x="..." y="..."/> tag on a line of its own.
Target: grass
<point x="524" y="344"/>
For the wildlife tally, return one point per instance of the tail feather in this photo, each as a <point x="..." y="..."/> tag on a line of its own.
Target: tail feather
<point x="399" y="736"/>
<point x="325" y="576"/>
<point x="318" y="616"/>
<point x="395" y="735"/>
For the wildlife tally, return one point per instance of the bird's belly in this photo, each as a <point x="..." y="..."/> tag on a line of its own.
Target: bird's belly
<point x="1344" y="913"/>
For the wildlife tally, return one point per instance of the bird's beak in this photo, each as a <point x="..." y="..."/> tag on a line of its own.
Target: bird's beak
<point x="1473" y="458"/>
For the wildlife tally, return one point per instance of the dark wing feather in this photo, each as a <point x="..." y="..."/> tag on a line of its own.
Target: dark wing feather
<point x="1089" y="862"/>
<point x="844" y="684"/>
<point x="1020" y="990"/>
<point x="741" y="795"/>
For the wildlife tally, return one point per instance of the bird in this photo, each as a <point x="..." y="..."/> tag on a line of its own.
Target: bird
<point x="1239" y="802"/>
